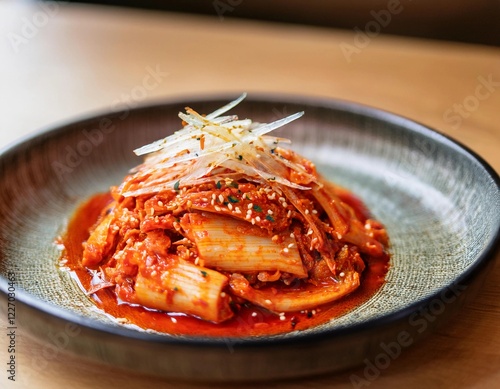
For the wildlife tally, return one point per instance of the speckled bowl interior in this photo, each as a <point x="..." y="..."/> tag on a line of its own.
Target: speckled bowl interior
<point x="439" y="202"/>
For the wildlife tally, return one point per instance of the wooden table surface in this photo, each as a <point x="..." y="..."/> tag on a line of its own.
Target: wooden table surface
<point x="65" y="61"/>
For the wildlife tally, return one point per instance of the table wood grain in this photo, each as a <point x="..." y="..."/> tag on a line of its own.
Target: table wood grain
<point x="68" y="61"/>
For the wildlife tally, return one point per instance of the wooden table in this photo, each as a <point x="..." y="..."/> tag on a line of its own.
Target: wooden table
<point x="66" y="61"/>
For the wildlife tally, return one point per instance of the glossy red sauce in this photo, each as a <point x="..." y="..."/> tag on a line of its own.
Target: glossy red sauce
<point x="249" y="321"/>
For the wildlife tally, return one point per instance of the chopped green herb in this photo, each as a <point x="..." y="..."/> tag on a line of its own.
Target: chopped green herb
<point x="273" y="150"/>
<point x="176" y="289"/>
<point x="257" y="208"/>
<point x="176" y="185"/>
<point x="270" y="218"/>
<point x="240" y="157"/>
<point x="204" y="273"/>
<point x="233" y="184"/>
<point x="233" y="199"/>
<point x="218" y="185"/>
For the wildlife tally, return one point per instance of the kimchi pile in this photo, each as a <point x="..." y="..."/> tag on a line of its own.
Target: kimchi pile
<point x="220" y="215"/>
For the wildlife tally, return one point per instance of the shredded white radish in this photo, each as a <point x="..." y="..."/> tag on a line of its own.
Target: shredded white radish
<point x="214" y="146"/>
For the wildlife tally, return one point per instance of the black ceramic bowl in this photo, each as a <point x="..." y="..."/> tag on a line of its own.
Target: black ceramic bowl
<point x="439" y="201"/>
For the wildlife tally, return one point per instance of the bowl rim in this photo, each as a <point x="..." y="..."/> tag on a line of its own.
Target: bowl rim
<point x="294" y="337"/>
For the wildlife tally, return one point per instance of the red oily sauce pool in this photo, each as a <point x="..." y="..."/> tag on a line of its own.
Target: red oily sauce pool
<point x="250" y="320"/>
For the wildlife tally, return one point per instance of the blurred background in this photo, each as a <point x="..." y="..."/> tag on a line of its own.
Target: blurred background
<point x="418" y="58"/>
<point x="471" y="21"/>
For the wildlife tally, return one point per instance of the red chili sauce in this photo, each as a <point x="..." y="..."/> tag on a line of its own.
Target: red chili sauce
<point x="250" y="320"/>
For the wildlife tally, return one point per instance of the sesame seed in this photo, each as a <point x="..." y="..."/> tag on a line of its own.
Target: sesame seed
<point x="152" y="211"/>
<point x="230" y="206"/>
<point x="314" y="212"/>
<point x="214" y="196"/>
<point x="253" y="221"/>
<point x="307" y="212"/>
<point x="237" y="210"/>
<point x="250" y="206"/>
<point x="212" y="203"/>
<point x="257" y="219"/>
<point x="268" y="302"/>
<point x="269" y="212"/>
<point x="342" y="274"/>
<point x="222" y="294"/>
<point x="204" y="199"/>
<point x="292" y="235"/>
<point x="248" y="216"/>
<point x="282" y="318"/>
<point x="282" y="199"/>
<point x="160" y="203"/>
<point x="174" y="320"/>
<point x="285" y="250"/>
<point x="154" y="273"/>
<point x="310" y="231"/>
<point x="189" y="203"/>
<point x="284" y="204"/>
<point x="221" y="198"/>
<point x="339" y="236"/>
<point x="289" y="214"/>
<point x="290" y="245"/>
<point x="217" y="208"/>
<point x="254" y="314"/>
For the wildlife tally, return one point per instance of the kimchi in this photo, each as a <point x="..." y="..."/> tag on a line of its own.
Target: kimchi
<point x="221" y="215"/>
